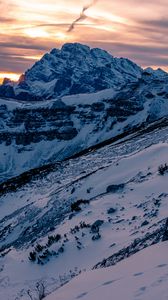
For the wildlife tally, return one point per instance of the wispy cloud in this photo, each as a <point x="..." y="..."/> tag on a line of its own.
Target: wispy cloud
<point x="82" y="15"/>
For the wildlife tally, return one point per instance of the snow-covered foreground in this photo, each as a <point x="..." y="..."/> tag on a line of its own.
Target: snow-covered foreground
<point x="128" y="200"/>
<point x="142" y="276"/>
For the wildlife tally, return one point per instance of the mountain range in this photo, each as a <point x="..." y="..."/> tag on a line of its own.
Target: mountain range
<point x="72" y="99"/>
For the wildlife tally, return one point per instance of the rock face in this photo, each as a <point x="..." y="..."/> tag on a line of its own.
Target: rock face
<point x="37" y="124"/>
<point x="34" y="133"/>
<point x="72" y="70"/>
<point x="26" y="124"/>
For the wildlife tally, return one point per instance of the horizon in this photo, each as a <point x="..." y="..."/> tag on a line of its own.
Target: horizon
<point x="124" y="29"/>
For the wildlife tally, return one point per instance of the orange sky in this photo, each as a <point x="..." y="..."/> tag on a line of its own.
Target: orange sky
<point x="136" y="29"/>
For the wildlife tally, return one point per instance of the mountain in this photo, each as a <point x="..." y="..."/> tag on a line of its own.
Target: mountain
<point x="74" y="69"/>
<point x="102" y="216"/>
<point x="41" y="132"/>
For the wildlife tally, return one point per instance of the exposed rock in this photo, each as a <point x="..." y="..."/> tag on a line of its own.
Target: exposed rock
<point x="96" y="225"/>
<point x="145" y="223"/>
<point x="165" y="234"/>
<point x="111" y="210"/>
<point x="114" y="188"/>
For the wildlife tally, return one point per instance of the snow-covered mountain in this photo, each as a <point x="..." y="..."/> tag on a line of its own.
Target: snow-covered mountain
<point x="38" y="133"/>
<point x="104" y="209"/>
<point x="74" y="69"/>
<point x="112" y="96"/>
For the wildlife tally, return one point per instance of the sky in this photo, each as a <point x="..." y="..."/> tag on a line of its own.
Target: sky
<point x="136" y="29"/>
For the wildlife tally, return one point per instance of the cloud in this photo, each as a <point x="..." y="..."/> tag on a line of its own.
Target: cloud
<point x="7" y="20"/>
<point x="141" y="32"/>
<point x="16" y="64"/>
<point x="23" y="46"/>
<point x="53" y="25"/>
<point x="82" y="16"/>
<point x="156" y="24"/>
<point x="143" y="55"/>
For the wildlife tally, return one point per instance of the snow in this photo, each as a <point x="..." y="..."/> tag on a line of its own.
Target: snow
<point x="142" y="276"/>
<point x="39" y="87"/>
<point x="89" y="98"/>
<point x="134" y="163"/>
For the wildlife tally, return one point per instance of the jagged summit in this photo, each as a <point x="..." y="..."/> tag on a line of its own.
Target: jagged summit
<point x="73" y="69"/>
<point x="75" y="47"/>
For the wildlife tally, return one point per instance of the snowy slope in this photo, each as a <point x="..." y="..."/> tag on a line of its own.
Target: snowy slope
<point x="142" y="276"/>
<point x="122" y="177"/>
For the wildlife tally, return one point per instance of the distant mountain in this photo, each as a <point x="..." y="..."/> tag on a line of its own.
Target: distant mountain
<point x="74" y="69"/>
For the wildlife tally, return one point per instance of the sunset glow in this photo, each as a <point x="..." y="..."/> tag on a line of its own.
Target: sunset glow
<point x="61" y="36"/>
<point x="12" y="76"/>
<point x="36" y="33"/>
<point x="134" y="29"/>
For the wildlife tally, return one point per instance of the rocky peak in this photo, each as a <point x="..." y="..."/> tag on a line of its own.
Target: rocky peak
<point x="75" y="48"/>
<point x="74" y="69"/>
